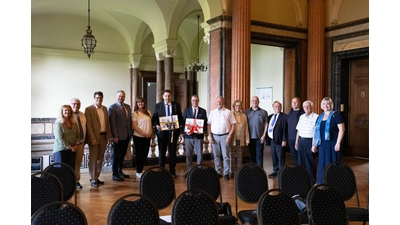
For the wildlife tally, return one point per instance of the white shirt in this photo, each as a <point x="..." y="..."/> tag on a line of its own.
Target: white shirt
<point x="306" y="125"/>
<point x="271" y="127"/>
<point x="221" y="121"/>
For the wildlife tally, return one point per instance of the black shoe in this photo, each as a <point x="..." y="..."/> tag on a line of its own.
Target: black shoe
<point x="226" y="177"/>
<point x="78" y="185"/>
<point x="121" y="174"/>
<point x="94" y="184"/>
<point x="232" y="175"/>
<point x="274" y="174"/>
<point x="174" y="175"/>
<point x="185" y="175"/>
<point x="117" y="178"/>
<point x="219" y="175"/>
<point x="99" y="182"/>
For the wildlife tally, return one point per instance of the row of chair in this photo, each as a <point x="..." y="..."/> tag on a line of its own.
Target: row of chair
<point x="251" y="186"/>
<point x="55" y="183"/>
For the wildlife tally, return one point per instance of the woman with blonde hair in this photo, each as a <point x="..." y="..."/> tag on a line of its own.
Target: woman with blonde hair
<point x="328" y="135"/>
<point x="66" y="137"/>
<point x="143" y="129"/>
<point x="241" y="136"/>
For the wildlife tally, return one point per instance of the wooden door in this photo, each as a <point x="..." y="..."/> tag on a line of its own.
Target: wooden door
<point x="359" y="108"/>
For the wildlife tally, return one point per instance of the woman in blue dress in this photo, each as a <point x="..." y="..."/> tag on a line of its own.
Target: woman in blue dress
<point x="328" y="135"/>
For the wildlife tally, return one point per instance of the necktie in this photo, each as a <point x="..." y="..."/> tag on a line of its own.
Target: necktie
<point x="272" y="123"/>
<point x="194" y="114"/>
<point x="168" y="110"/>
<point x="80" y="127"/>
<point x="123" y="109"/>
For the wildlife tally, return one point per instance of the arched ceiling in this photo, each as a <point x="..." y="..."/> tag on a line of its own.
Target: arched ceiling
<point x="166" y="19"/>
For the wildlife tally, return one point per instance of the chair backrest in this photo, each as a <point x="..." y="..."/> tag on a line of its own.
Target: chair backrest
<point x="66" y="175"/>
<point x="251" y="182"/>
<point x="194" y="206"/>
<point x="205" y="177"/>
<point x="276" y="207"/>
<point x="59" y="212"/>
<point x="294" y="180"/>
<point x="326" y="206"/>
<point x="133" y="209"/>
<point x="45" y="188"/>
<point x="158" y="184"/>
<point x="342" y="178"/>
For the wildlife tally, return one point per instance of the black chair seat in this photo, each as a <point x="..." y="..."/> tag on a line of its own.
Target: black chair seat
<point x="227" y="220"/>
<point x="248" y="216"/>
<point x="357" y="214"/>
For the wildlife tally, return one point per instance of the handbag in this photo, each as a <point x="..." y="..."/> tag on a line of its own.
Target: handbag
<point x="301" y="204"/>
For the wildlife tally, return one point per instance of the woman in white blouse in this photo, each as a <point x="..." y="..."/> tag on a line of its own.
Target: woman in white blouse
<point x="143" y="129"/>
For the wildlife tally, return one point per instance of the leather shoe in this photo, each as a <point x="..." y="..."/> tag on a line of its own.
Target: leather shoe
<point x="121" y="174"/>
<point x="117" y="178"/>
<point x="185" y="175"/>
<point x="99" y="182"/>
<point x="274" y="174"/>
<point x="94" y="184"/>
<point x="174" y="175"/>
<point x="226" y="177"/>
<point x="219" y="175"/>
<point x="78" y="185"/>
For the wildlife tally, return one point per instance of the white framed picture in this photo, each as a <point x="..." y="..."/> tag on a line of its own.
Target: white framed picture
<point x="264" y="94"/>
<point x="194" y="125"/>
<point x="169" y="122"/>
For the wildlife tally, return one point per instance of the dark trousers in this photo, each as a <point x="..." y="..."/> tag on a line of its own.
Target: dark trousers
<point x="119" y="153"/>
<point x="142" y="146"/>
<point x="65" y="156"/>
<point x="278" y="156"/>
<point x="163" y="144"/>
<point x="293" y="151"/>
<point x="306" y="158"/>
<point x="256" y="150"/>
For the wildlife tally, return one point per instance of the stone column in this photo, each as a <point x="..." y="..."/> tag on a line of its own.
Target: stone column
<point x="165" y="50"/>
<point x="315" y="60"/>
<point x="240" y="80"/>
<point x="135" y="83"/>
<point x="219" y="72"/>
<point x="160" y="81"/>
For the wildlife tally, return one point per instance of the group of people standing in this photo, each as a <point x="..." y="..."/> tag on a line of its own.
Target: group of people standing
<point x="304" y="132"/>
<point x="100" y="127"/>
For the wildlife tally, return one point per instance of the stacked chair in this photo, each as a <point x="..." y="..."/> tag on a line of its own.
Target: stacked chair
<point x="60" y="213"/>
<point x="133" y="209"/>
<point x="205" y="177"/>
<point x="251" y="182"/>
<point x="295" y="180"/>
<point x="276" y="207"/>
<point x="195" y="207"/>
<point x="326" y="206"/>
<point x="158" y="184"/>
<point x="342" y="178"/>
<point x="45" y="188"/>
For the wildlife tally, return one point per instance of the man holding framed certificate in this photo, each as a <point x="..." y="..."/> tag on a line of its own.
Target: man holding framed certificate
<point x="167" y="119"/>
<point x="195" y="127"/>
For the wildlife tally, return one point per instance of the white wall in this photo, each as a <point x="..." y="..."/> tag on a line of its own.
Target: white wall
<point x="267" y="71"/>
<point x="57" y="79"/>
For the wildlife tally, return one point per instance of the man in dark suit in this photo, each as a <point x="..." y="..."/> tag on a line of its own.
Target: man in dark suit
<point x="194" y="139"/>
<point x="277" y="137"/>
<point x="167" y="138"/>
<point x="98" y="135"/>
<point x="120" y="117"/>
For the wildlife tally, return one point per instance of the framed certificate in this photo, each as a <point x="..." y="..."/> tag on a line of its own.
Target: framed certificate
<point x="194" y="125"/>
<point x="169" y="122"/>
